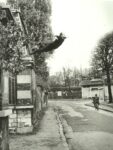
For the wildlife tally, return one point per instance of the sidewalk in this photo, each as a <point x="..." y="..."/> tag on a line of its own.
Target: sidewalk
<point x="49" y="136"/>
<point x="104" y="105"/>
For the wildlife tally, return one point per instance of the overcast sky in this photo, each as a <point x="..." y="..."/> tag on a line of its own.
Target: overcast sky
<point x="3" y="1"/>
<point x="84" y="22"/>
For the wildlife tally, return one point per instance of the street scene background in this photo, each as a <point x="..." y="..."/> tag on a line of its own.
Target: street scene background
<point x="56" y="75"/>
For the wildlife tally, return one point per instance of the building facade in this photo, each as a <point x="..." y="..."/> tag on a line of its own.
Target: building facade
<point x="95" y="86"/>
<point x="21" y="100"/>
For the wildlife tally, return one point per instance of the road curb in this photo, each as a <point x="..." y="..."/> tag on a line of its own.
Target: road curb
<point x="99" y="108"/>
<point x="67" y="131"/>
<point x="62" y="136"/>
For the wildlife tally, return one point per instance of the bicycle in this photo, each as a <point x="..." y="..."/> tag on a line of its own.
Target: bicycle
<point x="96" y="102"/>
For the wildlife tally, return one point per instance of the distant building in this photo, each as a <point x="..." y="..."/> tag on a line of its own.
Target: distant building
<point x="95" y="86"/>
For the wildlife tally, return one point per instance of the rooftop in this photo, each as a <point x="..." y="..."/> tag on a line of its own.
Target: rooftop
<point x="93" y="82"/>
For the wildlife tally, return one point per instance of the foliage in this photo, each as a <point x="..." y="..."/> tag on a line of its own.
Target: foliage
<point x="11" y="44"/>
<point x="103" y="55"/>
<point x="68" y="77"/>
<point x="93" y="73"/>
<point x="56" y="80"/>
<point x="36" y="15"/>
<point x="103" y="58"/>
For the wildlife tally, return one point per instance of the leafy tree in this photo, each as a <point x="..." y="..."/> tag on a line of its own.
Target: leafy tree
<point x="67" y="72"/>
<point x="11" y="45"/>
<point x="103" y="59"/>
<point x="94" y="73"/>
<point x="36" y="16"/>
<point x="68" y="77"/>
<point x="56" y="80"/>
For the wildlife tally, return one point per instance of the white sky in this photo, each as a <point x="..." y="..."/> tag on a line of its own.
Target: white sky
<point x="4" y="1"/>
<point x="84" y="22"/>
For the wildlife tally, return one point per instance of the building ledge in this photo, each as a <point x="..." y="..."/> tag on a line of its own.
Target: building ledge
<point x="25" y="130"/>
<point x="5" y="113"/>
<point x="20" y="107"/>
<point x="24" y="107"/>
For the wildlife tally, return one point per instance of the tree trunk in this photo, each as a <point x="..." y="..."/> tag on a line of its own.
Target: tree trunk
<point x="109" y="86"/>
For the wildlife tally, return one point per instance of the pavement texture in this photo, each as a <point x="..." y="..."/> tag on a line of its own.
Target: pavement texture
<point x="49" y="136"/>
<point x="104" y="105"/>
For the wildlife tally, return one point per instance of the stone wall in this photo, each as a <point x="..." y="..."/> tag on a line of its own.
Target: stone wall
<point x="20" y="121"/>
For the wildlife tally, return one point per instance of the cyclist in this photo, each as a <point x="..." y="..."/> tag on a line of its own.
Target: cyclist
<point x="96" y="102"/>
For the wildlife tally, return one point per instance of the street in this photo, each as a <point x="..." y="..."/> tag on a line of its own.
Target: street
<point x="91" y="129"/>
<point x="69" y="125"/>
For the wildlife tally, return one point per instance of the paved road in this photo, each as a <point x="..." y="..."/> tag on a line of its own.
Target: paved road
<point x="92" y="130"/>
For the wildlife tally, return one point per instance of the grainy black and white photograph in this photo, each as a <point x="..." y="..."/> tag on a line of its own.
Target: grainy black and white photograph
<point x="56" y="74"/>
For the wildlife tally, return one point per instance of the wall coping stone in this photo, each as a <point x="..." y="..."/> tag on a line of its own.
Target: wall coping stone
<point x="24" y="107"/>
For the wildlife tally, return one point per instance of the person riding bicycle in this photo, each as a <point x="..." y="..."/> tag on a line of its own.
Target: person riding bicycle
<point x="96" y="101"/>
